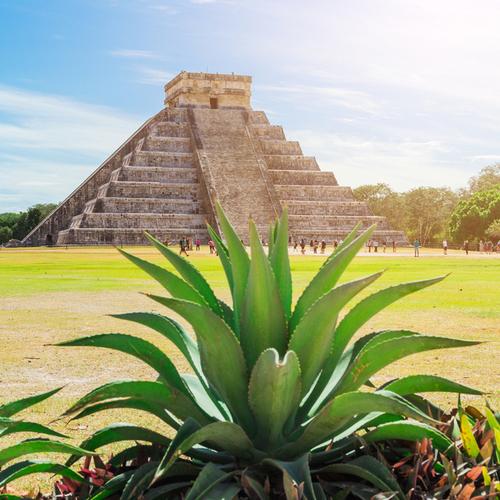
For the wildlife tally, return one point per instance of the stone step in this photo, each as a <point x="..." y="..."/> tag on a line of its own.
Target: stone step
<point x="143" y="221"/>
<point x="176" y="115"/>
<point x="291" y="162"/>
<point x="265" y="131"/>
<point x="170" y="129"/>
<point x="168" y="144"/>
<point x="322" y="207"/>
<point x="258" y="117"/>
<point x="311" y="193"/>
<point x="159" y="174"/>
<point x="299" y="177"/>
<point x="161" y="159"/>
<point x="336" y="222"/>
<point x="117" y="237"/>
<point x="274" y="147"/>
<point x="147" y="205"/>
<point x="127" y="189"/>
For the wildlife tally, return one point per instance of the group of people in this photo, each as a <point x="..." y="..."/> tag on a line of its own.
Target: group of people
<point x="313" y="244"/>
<point x="375" y="244"/>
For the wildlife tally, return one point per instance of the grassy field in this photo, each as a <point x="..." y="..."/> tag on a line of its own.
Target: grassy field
<point x="50" y="295"/>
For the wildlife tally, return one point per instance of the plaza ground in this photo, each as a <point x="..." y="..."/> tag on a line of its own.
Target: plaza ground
<point x="51" y="295"/>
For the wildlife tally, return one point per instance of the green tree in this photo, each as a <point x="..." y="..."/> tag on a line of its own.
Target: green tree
<point x="473" y="216"/>
<point x="45" y="208"/>
<point x="5" y="234"/>
<point x="493" y="230"/>
<point x="488" y="177"/>
<point x="9" y="219"/>
<point x="427" y="211"/>
<point x="27" y="221"/>
<point x="382" y="200"/>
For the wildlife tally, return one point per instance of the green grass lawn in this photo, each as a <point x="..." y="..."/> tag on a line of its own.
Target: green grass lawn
<point x="50" y="295"/>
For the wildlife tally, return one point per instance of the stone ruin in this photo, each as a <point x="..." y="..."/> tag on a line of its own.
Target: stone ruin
<point x="206" y="144"/>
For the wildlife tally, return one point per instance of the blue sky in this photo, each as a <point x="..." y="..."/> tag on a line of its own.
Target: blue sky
<point x="398" y="91"/>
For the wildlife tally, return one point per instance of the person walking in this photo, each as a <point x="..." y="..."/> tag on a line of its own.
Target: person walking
<point x="183" y="243"/>
<point x="323" y="246"/>
<point x="375" y="246"/>
<point x="481" y="246"/>
<point x="384" y="244"/>
<point x="394" y="246"/>
<point x="416" y="248"/>
<point x="315" y="246"/>
<point x="295" y="245"/>
<point x="445" y="247"/>
<point x="466" y="247"/>
<point x="211" y="247"/>
<point x="370" y="243"/>
<point x="198" y="244"/>
<point x="302" y="246"/>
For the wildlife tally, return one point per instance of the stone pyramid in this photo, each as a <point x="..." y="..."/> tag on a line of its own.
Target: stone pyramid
<point x="207" y="144"/>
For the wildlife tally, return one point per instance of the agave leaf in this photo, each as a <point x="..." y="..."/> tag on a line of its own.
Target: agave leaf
<point x="161" y="492"/>
<point x="176" y="286"/>
<point x="8" y="426"/>
<point x="347" y="241"/>
<point x="263" y="322"/>
<point x="312" y="338"/>
<point x="38" y="446"/>
<point x="368" y="307"/>
<point x="280" y="262"/>
<point x="274" y="394"/>
<point x="296" y="474"/>
<point x="227" y="436"/>
<point x="171" y="330"/>
<point x="130" y="403"/>
<point x="139" y="481"/>
<point x="492" y="420"/>
<point x="240" y="263"/>
<point x="373" y="358"/>
<point x="326" y="385"/>
<point x="328" y="276"/>
<point x="221" y="355"/>
<point x="223" y="254"/>
<point x="427" y="383"/>
<point x="189" y="273"/>
<point x="27" y="467"/>
<point x="205" y="397"/>
<point x="468" y="439"/>
<point x="344" y="407"/>
<point x="410" y="431"/>
<point x="113" y="485"/>
<point x="154" y="392"/>
<point x="10" y="409"/>
<point x="139" y="348"/>
<point x="208" y="479"/>
<point x="369" y="469"/>
<point x="120" y="432"/>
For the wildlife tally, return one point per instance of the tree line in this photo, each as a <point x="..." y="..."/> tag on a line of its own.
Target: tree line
<point x="17" y="225"/>
<point x="432" y="214"/>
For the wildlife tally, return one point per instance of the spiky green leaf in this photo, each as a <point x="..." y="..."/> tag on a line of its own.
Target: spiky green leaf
<point x="10" y="409"/>
<point x="414" y="384"/>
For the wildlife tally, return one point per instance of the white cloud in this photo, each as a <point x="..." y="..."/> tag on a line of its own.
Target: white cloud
<point x="134" y="54"/>
<point x="153" y="76"/>
<point x="50" y="143"/>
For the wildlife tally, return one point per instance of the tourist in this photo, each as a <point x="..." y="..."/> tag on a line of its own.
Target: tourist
<point x="211" y="247"/>
<point x="295" y="245"/>
<point x="323" y="246"/>
<point x="335" y="244"/>
<point x="370" y="243"/>
<point x="315" y="246"/>
<point x="183" y="243"/>
<point x="375" y="246"/>
<point x="384" y="243"/>
<point x="198" y="244"/>
<point x="489" y="247"/>
<point x="466" y="247"/>
<point x="416" y="248"/>
<point x="394" y="246"/>
<point x="302" y="246"/>
<point x="445" y="247"/>
<point x="481" y="246"/>
<point x="311" y="244"/>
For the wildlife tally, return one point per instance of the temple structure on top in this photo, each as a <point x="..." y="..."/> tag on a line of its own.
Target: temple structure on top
<point x="206" y="144"/>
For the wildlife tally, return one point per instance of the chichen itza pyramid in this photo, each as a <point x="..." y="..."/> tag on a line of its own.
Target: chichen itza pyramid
<point x="206" y="144"/>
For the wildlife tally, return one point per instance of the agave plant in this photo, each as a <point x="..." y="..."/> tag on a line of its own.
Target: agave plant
<point x="22" y="449"/>
<point x="279" y="401"/>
